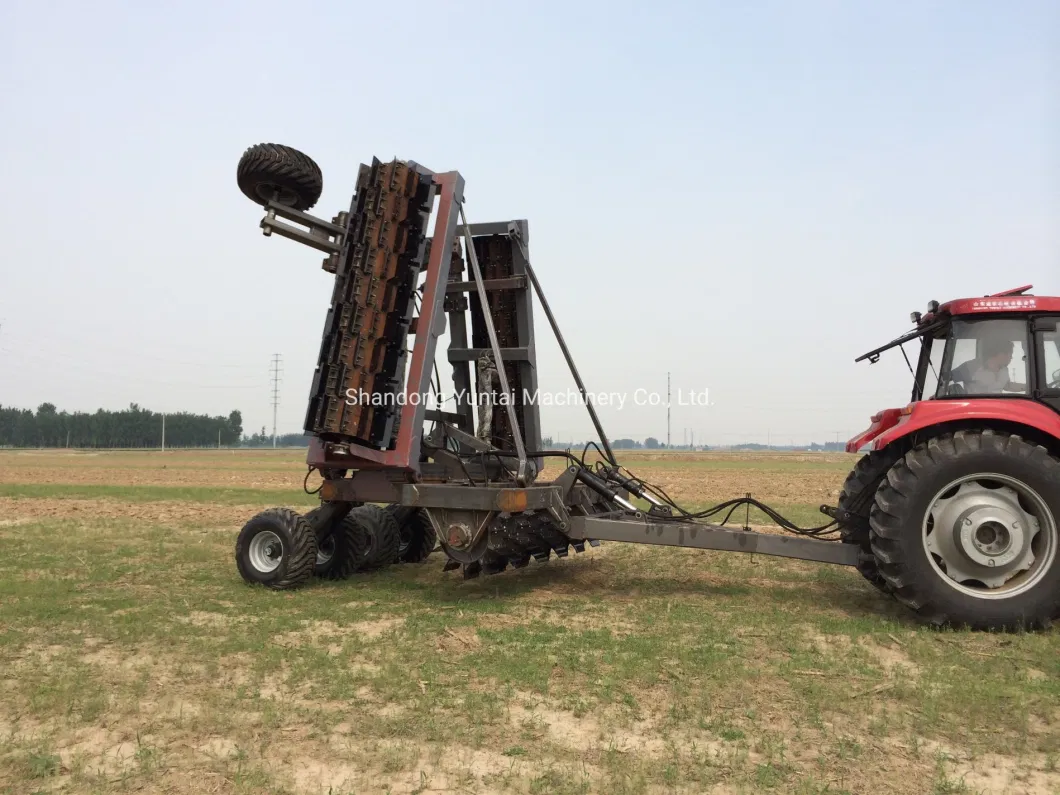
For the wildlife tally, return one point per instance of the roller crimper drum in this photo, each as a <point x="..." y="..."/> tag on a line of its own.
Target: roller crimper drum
<point x="360" y="366"/>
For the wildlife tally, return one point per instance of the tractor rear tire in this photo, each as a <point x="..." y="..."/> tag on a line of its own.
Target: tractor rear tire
<point x="857" y="498"/>
<point x="418" y="538"/>
<point x="338" y="552"/>
<point x="381" y="533"/>
<point x="965" y="532"/>
<point x="273" y="172"/>
<point x="277" y="549"/>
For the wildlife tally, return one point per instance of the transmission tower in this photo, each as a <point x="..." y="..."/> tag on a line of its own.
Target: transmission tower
<point x="667" y="411"/>
<point x="276" y="371"/>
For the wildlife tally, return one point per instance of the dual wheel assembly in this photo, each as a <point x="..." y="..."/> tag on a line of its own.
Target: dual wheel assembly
<point x="962" y="529"/>
<point x="282" y="549"/>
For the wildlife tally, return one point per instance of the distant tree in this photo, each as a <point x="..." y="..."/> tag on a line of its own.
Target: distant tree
<point x="235" y="425"/>
<point x="282" y="440"/>
<point x="651" y="443"/>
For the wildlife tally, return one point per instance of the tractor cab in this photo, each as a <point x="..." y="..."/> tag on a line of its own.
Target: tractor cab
<point x="1003" y="347"/>
<point x="990" y="355"/>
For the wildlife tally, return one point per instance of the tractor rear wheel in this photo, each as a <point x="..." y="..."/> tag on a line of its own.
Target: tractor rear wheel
<point x="274" y="172"/>
<point x="277" y="549"/>
<point x="856" y="500"/>
<point x="965" y="531"/>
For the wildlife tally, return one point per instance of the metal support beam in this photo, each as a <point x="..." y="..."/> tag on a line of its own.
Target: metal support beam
<point x="511" y="283"/>
<point x="707" y="536"/>
<point x="321" y="235"/>
<point x="478" y="498"/>
<point x="319" y="242"/>
<point x="474" y="354"/>
<point x="433" y="415"/>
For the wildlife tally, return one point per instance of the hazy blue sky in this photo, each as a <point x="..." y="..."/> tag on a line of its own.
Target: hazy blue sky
<point x="745" y="194"/>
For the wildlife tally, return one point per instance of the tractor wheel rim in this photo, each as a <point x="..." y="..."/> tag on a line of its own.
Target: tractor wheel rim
<point x="326" y="551"/>
<point x="266" y="551"/>
<point x="990" y="536"/>
<point x="268" y="191"/>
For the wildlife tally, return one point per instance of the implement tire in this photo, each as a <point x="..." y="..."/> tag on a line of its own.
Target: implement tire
<point x="417" y="537"/>
<point x="274" y="172"/>
<point x="339" y="552"/>
<point x="381" y="534"/>
<point x="277" y="549"/>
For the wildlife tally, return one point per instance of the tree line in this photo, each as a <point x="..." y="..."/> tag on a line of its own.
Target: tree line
<point x="131" y="427"/>
<point x="282" y="440"/>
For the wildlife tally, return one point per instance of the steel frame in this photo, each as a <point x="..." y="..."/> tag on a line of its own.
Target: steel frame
<point x="579" y="504"/>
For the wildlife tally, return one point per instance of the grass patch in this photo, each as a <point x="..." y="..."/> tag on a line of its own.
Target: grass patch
<point x="218" y="496"/>
<point x="132" y="657"/>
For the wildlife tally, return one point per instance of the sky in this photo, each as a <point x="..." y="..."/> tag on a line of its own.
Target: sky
<point x="744" y="195"/>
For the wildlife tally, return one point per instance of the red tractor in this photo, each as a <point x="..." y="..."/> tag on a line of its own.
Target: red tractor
<point x="956" y="503"/>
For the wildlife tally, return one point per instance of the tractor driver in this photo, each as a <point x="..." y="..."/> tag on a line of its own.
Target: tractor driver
<point x="992" y="377"/>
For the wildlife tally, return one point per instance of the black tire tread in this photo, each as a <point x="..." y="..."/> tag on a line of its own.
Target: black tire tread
<point x="354" y="534"/>
<point x="416" y="526"/>
<point x="302" y="553"/>
<point x="285" y="166"/>
<point x="350" y="547"/>
<point x="386" y="535"/>
<point x="857" y="497"/>
<point x="890" y="526"/>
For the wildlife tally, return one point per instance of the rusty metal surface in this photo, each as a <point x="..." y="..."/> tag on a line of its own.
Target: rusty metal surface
<point x="331" y="450"/>
<point x="362" y="351"/>
<point x="495" y="257"/>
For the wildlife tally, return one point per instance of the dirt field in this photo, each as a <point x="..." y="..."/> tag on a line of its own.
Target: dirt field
<point x="134" y="659"/>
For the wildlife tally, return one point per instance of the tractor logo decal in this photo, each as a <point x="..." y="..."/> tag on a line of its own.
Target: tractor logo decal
<point x="1005" y="303"/>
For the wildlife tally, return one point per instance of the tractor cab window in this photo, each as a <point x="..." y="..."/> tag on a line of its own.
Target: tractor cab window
<point x="984" y="357"/>
<point x="936" y="356"/>
<point x="1050" y="353"/>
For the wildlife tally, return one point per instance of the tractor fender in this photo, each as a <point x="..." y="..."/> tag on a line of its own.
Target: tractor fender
<point x="881" y="421"/>
<point x="1029" y="414"/>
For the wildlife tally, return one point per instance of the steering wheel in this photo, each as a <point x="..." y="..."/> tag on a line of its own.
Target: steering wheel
<point x="1055" y="383"/>
<point x="953" y="389"/>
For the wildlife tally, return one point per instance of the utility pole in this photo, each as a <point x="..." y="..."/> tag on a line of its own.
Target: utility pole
<point x="275" y="393"/>
<point x="667" y="411"/>
<point x="692" y="444"/>
<point x="218" y="438"/>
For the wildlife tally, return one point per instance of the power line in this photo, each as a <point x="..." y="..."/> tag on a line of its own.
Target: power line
<point x="32" y="362"/>
<point x="62" y="345"/>
<point x="276" y="361"/>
